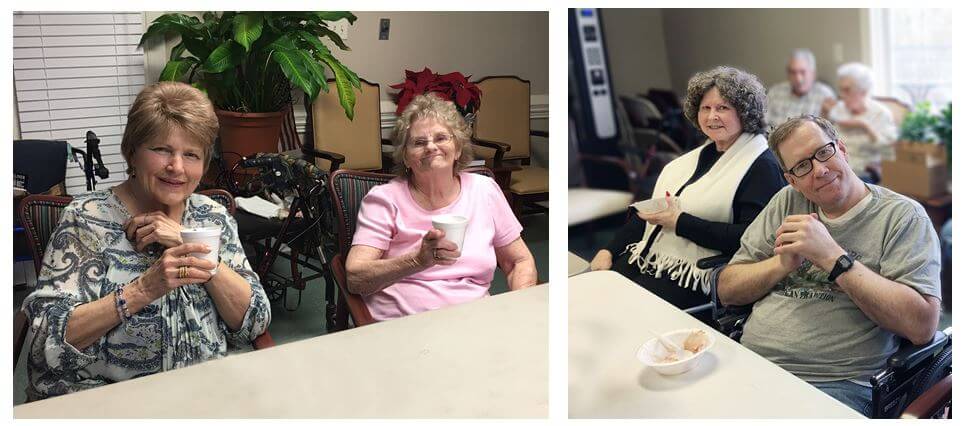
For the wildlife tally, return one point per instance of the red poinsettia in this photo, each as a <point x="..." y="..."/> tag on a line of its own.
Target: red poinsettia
<point x="452" y="87"/>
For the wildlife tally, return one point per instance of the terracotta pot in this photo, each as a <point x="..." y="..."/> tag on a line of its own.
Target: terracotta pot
<point x="244" y="134"/>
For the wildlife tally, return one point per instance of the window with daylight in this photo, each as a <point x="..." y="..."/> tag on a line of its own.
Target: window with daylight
<point x="74" y="72"/>
<point x="912" y="56"/>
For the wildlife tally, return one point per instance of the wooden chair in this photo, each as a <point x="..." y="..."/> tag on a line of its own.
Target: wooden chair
<point x="503" y="125"/>
<point x="347" y="188"/>
<point x="337" y="141"/>
<point x="40" y="215"/>
<point x="897" y="108"/>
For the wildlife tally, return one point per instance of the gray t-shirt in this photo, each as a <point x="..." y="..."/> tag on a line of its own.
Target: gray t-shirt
<point x="807" y="324"/>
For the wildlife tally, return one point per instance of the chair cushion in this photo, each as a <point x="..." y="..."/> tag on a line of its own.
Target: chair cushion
<point x="586" y="204"/>
<point x="529" y="180"/>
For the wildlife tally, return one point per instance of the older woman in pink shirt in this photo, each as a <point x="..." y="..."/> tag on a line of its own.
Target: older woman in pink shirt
<point x="398" y="262"/>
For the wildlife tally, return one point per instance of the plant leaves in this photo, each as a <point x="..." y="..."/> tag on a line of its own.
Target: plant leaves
<point x="317" y="72"/>
<point x="225" y="56"/>
<point x="347" y="98"/>
<point x="175" y="70"/>
<point x="335" y="16"/>
<point x="177" y="51"/>
<point x="248" y="28"/>
<point x="293" y="68"/>
<point x="334" y="37"/>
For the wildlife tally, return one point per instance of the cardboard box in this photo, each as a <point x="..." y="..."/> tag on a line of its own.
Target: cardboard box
<point x="924" y="154"/>
<point x="915" y="179"/>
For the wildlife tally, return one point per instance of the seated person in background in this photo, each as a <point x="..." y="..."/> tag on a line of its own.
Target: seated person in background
<point x="801" y="94"/>
<point x="398" y="262"/>
<point x="721" y="186"/>
<point x="837" y="269"/>
<point x="866" y="125"/>
<point x="119" y="295"/>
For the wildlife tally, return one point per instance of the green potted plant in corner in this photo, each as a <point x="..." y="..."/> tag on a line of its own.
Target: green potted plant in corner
<point x="248" y="63"/>
<point x="920" y="168"/>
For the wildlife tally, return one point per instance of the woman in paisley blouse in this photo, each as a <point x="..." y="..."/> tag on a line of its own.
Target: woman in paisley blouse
<point x="119" y="295"/>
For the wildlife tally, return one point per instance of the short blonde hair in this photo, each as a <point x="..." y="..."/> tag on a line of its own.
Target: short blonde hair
<point x="445" y="113"/>
<point x="163" y="106"/>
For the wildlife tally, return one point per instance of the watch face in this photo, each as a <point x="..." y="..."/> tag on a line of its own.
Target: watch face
<point x="843" y="262"/>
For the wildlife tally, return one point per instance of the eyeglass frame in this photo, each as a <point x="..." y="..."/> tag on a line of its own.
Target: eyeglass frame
<point x="450" y="137"/>
<point x="811" y="158"/>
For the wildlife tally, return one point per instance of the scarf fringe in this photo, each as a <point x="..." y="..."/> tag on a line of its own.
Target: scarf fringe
<point x="686" y="273"/>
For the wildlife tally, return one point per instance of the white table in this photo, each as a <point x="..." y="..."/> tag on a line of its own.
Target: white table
<point x="486" y="358"/>
<point x="587" y="204"/>
<point x="608" y="318"/>
<point x="576" y="265"/>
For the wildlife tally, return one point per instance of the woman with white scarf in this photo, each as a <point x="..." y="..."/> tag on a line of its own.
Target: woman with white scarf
<point x="721" y="187"/>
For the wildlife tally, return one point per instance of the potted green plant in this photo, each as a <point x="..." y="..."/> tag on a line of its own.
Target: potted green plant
<point x="248" y="63"/>
<point x="453" y="86"/>
<point x="921" y="166"/>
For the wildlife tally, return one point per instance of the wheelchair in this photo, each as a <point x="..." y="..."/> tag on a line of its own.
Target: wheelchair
<point x="909" y="373"/>
<point x="306" y="228"/>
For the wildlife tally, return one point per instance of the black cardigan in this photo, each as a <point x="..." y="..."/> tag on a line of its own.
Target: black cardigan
<point x="756" y="188"/>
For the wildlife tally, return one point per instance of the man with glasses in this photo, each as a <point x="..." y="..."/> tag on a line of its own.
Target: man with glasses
<point x="837" y="268"/>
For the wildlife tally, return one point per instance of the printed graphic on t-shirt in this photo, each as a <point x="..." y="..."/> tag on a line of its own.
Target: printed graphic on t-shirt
<point x="810" y="282"/>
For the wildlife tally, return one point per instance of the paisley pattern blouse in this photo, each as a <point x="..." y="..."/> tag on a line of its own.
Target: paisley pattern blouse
<point x="87" y="258"/>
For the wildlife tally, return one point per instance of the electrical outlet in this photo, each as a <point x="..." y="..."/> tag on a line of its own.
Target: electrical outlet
<point x="341" y="28"/>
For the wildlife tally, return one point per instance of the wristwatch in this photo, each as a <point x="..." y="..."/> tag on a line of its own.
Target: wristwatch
<point x="843" y="263"/>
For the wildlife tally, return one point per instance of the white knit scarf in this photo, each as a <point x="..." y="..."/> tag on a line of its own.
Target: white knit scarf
<point x="709" y="198"/>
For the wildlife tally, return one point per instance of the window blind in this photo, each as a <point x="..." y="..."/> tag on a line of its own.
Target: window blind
<point x="74" y="72"/>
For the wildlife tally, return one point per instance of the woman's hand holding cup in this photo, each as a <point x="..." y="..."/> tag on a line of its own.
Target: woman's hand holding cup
<point x="435" y="250"/>
<point x="175" y="268"/>
<point x="154" y="227"/>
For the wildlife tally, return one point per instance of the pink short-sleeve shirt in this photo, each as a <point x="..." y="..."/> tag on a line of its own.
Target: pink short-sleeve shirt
<point x="390" y="220"/>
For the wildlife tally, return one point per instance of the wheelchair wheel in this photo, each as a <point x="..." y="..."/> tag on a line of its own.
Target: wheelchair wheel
<point x="274" y="289"/>
<point x="937" y="370"/>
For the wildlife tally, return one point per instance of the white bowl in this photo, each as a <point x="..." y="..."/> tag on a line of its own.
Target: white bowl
<point x="652" y="352"/>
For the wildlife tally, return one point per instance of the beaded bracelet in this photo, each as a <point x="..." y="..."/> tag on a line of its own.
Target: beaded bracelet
<point x="121" y="304"/>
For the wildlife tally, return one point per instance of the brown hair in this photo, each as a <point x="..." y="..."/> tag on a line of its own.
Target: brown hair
<point x="782" y="132"/>
<point x="445" y="113"/>
<point x="166" y="105"/>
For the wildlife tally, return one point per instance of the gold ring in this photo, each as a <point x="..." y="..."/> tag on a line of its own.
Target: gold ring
<point x="183" y="272"/>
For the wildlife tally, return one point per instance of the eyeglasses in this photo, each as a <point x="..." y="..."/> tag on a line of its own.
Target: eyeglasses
<point x="822" y="154"/>
<point x="438" y="139"/>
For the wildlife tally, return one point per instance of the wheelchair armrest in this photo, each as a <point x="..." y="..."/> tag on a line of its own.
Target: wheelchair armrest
<point x="335" y="159"/>
<point x="910" y="355"/>
<point x="731" y="323"/>
<point x="713" y="261"/>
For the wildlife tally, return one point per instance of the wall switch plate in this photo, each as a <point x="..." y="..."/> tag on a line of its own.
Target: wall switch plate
<point x="384" y="28"/>
<point x="341" y="28"/>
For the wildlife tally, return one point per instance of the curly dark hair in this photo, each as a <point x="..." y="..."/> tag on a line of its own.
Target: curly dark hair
<point x="742" y="90"/>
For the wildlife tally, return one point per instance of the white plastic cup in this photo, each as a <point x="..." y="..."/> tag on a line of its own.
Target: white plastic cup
<point x="455" y="226"/>
<point x="208" y="236"/>
<point x="653" y="205"/>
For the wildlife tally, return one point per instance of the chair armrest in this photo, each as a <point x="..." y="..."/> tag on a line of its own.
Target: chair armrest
<point x="335" y="159"/>
<point x="909" y="355"/>
<point x="931" y="401"/>
<point x="713" y="261"/>
<point x="499" y="147"/>
<point x="263" y="341"/>
<point x="357" y="308"/>
<point x="540" y="133"/>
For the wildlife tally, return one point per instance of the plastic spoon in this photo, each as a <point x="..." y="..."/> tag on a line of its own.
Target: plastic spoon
<point x="670" y="346"/>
